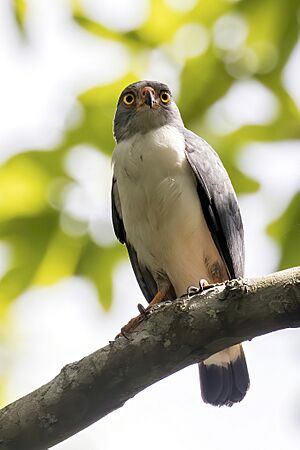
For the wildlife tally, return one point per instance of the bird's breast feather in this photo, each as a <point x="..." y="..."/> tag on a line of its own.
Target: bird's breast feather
<point x="153" y="153"/>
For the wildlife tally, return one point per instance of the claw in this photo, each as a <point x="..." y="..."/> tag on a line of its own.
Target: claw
<point x="142" y="310"/>
<point x="133" y="323"/>
<point x="192" y="290"/>
<point x="123" y="333"/>
<point x="203" y="284"/>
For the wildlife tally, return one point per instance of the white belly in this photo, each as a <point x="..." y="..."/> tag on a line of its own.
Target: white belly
<point x="160" y="207"/>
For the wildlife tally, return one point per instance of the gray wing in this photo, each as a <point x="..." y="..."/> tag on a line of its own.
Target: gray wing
<point x="144" y="277"/>
<point x="218" y="201"/>
<point x="116" y="213"/>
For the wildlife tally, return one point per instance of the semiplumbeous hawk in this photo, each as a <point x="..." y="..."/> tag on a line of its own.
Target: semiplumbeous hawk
<point x="175" y="209"/>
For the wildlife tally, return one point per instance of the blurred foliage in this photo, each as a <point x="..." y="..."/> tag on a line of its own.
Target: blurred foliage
<point x="41" y="252"/>
<point x="286" y="231"/>
<point x="20" y="9"/>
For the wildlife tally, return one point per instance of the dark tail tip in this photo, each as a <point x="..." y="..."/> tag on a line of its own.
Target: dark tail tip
<point x="224" y="384"/>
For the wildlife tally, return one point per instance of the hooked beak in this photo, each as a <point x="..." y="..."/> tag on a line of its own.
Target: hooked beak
<point x="149" y="98"/>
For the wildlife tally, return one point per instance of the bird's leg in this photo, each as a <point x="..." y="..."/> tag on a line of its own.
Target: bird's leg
<point x="160" y="296"/>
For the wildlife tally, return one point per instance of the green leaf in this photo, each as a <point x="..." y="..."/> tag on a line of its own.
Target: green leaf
<point x="28" y="239"/>
<point x="242" y="183"/>
<point x="286" y="231"/>
<point x="99" y="104"/>
<point x="280" y="26"/>
<point x="200" y="87"/>
<point x="20" y="10"/>
<point x="60" y="258"/>
<point x="23" y="187"/>
<point x="97" y="264"/>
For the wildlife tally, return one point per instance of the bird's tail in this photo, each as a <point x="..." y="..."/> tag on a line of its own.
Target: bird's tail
<point x="224" y="377"/>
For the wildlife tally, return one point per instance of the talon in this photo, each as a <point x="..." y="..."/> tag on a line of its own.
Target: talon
<point x="203" y="284"/>
<point x="142" y="310"/>
<point x="192" y="290"/>
<point x="130" y="326"/>
<point x="123" y="333"/>
<point x="133" y="323"/>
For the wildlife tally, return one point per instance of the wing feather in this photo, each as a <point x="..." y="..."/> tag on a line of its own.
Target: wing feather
<point x="116" y="213"/>
<point x="143" y="275"/>
<point x="218" y="201"/>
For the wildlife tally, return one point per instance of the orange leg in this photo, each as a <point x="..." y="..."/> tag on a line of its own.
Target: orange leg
<point x="159" y="297"/>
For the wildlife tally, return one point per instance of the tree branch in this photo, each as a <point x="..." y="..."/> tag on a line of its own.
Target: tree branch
<point x="177" y="334"/>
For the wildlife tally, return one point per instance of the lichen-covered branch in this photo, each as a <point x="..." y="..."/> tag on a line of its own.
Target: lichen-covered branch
<point x="177" y="334"/>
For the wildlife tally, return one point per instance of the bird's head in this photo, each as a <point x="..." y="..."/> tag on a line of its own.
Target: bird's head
<point x="143" y="106"/>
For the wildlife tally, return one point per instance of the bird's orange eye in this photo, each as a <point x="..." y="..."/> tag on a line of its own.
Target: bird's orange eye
<point x="128" y="99"/>
<point x="165" y="97"/>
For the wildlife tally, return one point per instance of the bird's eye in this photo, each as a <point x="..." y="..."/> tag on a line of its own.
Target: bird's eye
<point x="165" y="97"/>
<point x="128" y="99"/>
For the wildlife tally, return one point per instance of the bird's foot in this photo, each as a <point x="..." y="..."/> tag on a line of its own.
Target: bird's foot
<point x="203" y="285"/>
<point x="134" y="322"/>
<point x="192" y="290"/>
<point x="144" y="312"/>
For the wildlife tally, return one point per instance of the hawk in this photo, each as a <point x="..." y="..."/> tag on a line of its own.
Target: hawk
<point x="174" y="207"/>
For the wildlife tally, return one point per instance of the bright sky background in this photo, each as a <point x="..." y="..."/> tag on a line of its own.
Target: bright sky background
<point x="53" y="326"/>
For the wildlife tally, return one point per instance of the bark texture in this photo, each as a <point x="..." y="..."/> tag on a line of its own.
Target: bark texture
<point x="177" y="334"/>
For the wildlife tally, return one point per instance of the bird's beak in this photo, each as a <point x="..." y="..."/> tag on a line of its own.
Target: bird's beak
<point x="149" y="98"/>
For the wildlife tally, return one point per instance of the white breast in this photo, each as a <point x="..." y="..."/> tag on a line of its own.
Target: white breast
<point x="160" y="207"/>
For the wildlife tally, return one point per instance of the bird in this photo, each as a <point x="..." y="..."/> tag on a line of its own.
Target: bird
<point x="175" y="209"/>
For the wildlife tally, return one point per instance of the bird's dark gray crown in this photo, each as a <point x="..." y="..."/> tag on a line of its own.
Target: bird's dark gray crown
<point x="128" y="120"/>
